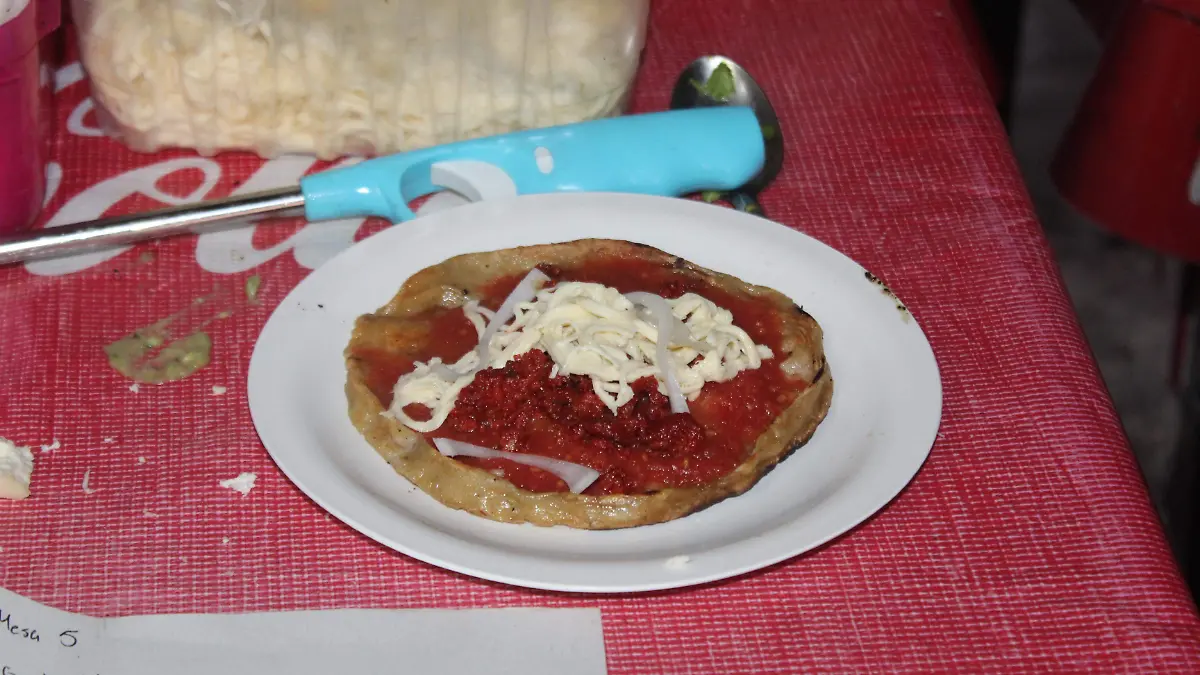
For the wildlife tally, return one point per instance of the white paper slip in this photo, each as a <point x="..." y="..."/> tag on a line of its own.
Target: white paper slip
<point x="39" y="640"/>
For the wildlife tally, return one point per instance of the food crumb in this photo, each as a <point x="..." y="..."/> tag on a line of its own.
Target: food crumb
<point x="52" y="446"/>
<point x="141" y="460"/>
<point x="252" y="286"/>
<point x="87" y="476"/>
<point x="135" y="387"/>
<point x="109" y="439"/>
<point x="224" y="540"/>
<point x="149" y="514"/>
<point x="219" y="390"/>
<point x="243" y="483"/>
<point x="678" y="562"/>
<point x="904" y="313"/>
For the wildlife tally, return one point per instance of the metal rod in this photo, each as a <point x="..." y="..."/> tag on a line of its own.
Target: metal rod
<point x="119" y="230"/>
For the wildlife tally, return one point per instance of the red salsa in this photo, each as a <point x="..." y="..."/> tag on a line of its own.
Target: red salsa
<point x="643" y="447"/>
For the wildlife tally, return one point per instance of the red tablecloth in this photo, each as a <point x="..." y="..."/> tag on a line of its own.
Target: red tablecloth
<point x="1026" y="543"/>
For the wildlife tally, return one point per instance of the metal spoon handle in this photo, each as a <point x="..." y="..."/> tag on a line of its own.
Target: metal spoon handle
<point x="747" y="202"/>
<point x="119" y="230"/>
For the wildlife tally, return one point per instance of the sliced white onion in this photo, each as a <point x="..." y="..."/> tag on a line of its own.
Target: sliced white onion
<point x="682" y="337"/>
<point x="576" y="476"/>
<point x="524" y="292"/>
<point x="664" y="324"/>
<point x="442" y="370"/>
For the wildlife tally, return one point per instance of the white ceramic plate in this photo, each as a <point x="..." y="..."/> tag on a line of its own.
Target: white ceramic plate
<point x="882" y="422"/>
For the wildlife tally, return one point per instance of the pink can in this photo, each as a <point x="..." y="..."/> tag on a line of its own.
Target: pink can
<point x="25" y="124"/>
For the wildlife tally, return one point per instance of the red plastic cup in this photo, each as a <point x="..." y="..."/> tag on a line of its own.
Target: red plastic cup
<point x="25" y="123"/>
<point x="1131" y="158"/>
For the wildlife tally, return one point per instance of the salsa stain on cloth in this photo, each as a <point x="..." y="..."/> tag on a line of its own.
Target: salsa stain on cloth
<point x="174" y="347"/>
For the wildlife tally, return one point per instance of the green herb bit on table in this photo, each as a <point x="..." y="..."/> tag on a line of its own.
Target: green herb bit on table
<point x="252" y="285"/>
<point x="133" y="355"/>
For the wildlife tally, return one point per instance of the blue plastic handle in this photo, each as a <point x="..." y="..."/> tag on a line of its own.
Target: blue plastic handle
<point x="667" y="153"/>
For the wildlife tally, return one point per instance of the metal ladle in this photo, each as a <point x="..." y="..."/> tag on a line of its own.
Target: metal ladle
<point x="689" y="93"/>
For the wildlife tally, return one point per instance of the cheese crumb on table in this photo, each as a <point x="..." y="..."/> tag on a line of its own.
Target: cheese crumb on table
<point x="52" y="446"/>
<point x="677" y="563"/>
<point x="87" y="477"/>
<point x="243" y="483"/>
<point x="16" y="468"/>
<point x="218" y="390"/>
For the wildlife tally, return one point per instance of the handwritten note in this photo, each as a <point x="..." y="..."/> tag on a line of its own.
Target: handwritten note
<point x="39" y="640"/>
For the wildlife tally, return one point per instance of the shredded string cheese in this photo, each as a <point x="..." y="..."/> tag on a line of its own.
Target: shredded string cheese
<point x="666" y="326"/>
<point x="592" y="330"/>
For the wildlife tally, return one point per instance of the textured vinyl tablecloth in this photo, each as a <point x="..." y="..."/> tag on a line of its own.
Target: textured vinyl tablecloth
<point x="1026" y="543"/>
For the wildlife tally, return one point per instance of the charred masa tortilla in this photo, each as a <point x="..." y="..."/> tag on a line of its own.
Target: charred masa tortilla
<point x="397" y="326"/>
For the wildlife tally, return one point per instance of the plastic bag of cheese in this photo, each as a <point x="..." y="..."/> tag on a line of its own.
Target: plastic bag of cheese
<point x="332" y="78"/>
